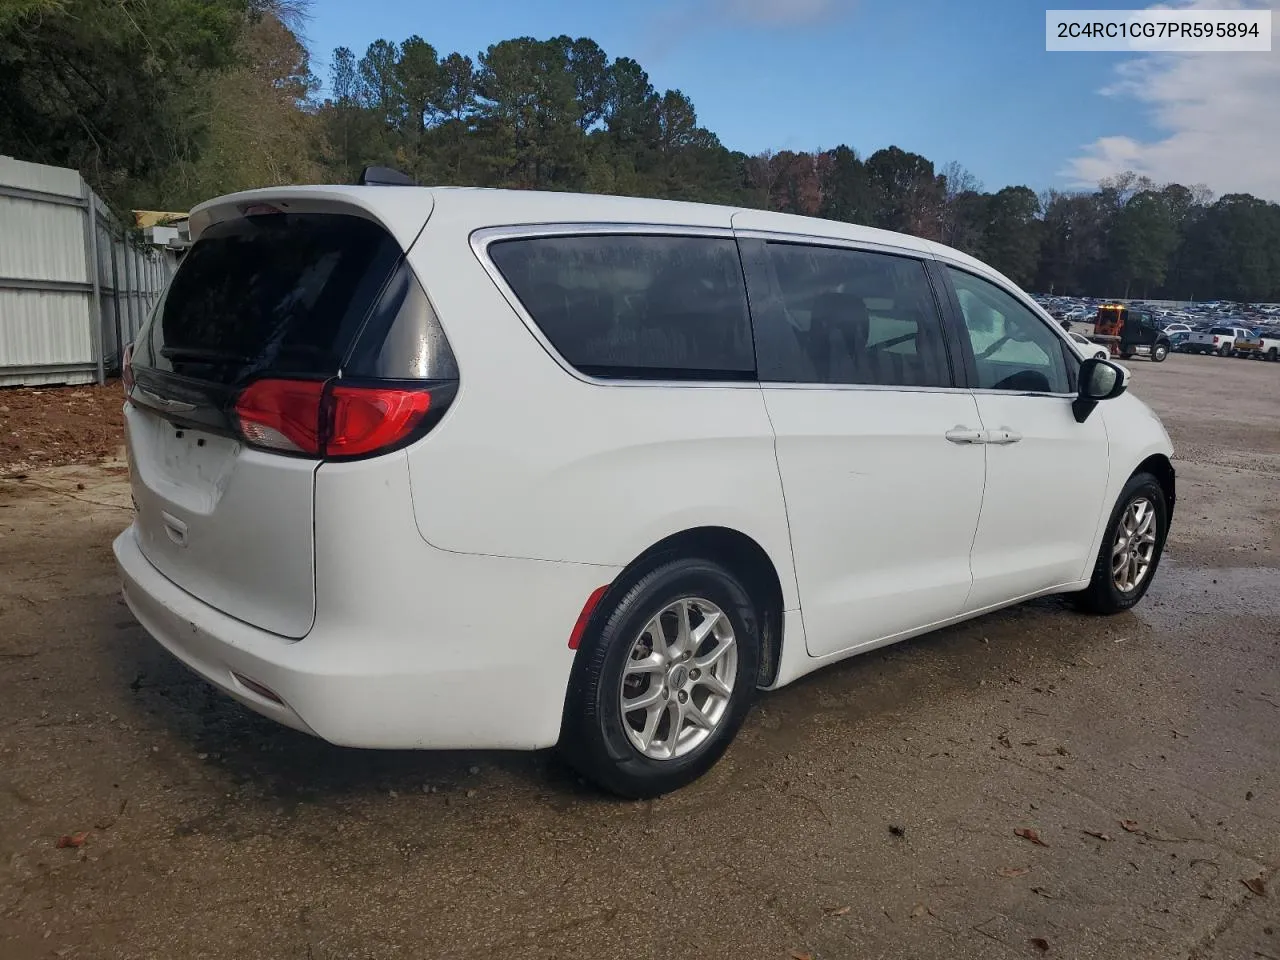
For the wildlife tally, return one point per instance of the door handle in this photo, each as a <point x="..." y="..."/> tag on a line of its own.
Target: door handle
<point x="960" y="434"/>
<point x="1003" y="436"/>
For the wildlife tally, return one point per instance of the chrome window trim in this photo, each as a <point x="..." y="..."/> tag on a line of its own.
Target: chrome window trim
<point x="894" y="388"/>
<point x="818" y="240"/>
<point x="482" y="238"/>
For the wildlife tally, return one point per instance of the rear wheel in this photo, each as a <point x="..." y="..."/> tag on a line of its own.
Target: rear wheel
<point x="1159" y="352"/>
<point x="1131" y="548"/>
<point x="664" y="682"/>
<point x="1273" y="354"/>
<point x="1224" y="351"/>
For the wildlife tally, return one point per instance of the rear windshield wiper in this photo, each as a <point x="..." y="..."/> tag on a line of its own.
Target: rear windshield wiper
<point x="197" y="355"/>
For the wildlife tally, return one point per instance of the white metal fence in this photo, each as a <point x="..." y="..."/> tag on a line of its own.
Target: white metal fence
<point x="73" y="288"/>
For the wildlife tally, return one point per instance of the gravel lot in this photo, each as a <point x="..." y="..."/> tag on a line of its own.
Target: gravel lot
<point x="866" y="812"/>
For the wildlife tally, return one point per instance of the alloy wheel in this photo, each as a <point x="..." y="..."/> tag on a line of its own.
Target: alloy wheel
<point x="678" y="679"/>
<point x="1134" y="548"/>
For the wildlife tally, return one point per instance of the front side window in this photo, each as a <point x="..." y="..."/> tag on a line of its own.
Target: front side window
<point x="634" y="306"/>
<point x="845" y="316"/>
<point x="1013" y="349"/>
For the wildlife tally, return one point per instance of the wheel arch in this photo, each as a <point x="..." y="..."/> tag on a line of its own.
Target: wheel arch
<point x="1161" y="467"/>
<point x="738" y="553"/>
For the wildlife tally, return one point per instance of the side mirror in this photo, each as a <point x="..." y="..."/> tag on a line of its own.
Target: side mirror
<point x="1099" y="380"/>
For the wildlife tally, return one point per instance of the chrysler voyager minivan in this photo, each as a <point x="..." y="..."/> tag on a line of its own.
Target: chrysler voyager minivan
<point x="459" y="468"/>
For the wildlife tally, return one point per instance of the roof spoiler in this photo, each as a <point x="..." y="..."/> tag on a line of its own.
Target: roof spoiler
<point x="384" y="177"/>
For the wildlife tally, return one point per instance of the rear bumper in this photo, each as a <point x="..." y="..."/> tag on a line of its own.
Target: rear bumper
<point x="461" y="676"/>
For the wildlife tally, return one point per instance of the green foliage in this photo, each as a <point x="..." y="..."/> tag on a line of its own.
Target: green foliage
<point x="166" y="102"/>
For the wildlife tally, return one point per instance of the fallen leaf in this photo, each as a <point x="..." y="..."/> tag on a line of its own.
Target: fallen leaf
<point x="73" y="839"/>
<point x="797" y="955"/>
<point x="1257" y="886"/>
<point x="1040" y="943"/>
<point x="1013" y="871"/>
<point x="1131" y="825"/>
<point x="1027" y="833"/>
<point x="836" y="911"/>
<point x="1004" y="741"/>
<point x="1041" y="891"/>
<point x="918" y="910"/>
<point x="1096" y="833"/>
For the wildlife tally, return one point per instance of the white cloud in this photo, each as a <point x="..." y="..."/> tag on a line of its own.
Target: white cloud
<point x="773" y="12"/>
<point x="1219" y="114"/>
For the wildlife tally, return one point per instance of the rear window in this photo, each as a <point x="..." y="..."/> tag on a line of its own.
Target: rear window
<point x="630" y="306"/>
<point x="280" y="294"/>
<point x="1223" y="332"/>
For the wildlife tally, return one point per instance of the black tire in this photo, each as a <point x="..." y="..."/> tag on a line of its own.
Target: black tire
<point x="1159" y="353"/>
<point x="594" y="740"/>
<point x="1224" y="351"/>
<point x="1273" y="355"/>
<point x="1102" y="596"/>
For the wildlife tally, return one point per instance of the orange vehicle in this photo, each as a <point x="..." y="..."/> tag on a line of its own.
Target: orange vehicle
<point x="1128" y="333"/>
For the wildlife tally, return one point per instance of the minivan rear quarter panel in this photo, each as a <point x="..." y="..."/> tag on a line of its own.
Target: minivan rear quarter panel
<point x="604" y="470"/>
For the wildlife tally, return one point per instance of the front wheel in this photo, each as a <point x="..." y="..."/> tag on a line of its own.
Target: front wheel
<point x="1159" y="352"/>
<point x="664" y="682"/>
<point x="1131" y="548"/>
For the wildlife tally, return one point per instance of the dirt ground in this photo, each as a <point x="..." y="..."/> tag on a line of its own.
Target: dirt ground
<point x="870" y="811"/>
<point x="52" y="426"/>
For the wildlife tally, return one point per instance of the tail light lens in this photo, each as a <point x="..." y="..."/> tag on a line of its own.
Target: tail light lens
<point x="126" y="369"/>
<point x="282" y="415"/>
<point x="328" y="419"/>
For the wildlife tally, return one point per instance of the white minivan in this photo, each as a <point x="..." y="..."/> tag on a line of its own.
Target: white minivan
<point x="459" y="468"/>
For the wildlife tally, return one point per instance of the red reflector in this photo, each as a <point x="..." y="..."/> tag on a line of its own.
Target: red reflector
<point x="260" y="689"/>
<point x="364" y="419"/>
<point x="584" y="617"/>
<point x="282" y="414"/>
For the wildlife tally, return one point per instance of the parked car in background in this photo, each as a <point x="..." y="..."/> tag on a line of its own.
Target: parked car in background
<point x="1087" y="347"/>
<point x="465" y="468"/>
<point x="1220" y="340"/>
<point x="1268" y="345"/>
<point x="1249" y="345"/>
<point x="1176" y="328"/>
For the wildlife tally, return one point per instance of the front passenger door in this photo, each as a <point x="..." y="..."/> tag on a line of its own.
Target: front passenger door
<point x="1046" y="474"/>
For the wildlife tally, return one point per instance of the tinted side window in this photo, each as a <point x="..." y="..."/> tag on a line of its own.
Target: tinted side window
<point x="648" y="307"/>
<point x="1013" y="348"/>
<point x="850" y="316"/>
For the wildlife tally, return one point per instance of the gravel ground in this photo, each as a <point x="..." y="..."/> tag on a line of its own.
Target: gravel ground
<point x="871" y="811"/>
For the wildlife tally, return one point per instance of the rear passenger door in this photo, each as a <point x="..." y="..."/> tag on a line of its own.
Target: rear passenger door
<point x="880" y="455"/>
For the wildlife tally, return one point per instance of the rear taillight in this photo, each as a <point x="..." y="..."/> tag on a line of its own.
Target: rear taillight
<point x="329" y="419"/>
<point x="126" y="369"/>
<point x="365" y="419"/>
<point x="282" y="415"/>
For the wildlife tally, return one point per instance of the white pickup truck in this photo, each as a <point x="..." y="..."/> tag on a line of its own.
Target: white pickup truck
<point x="1259" y="346"/>
<point x="1219" y="340"/>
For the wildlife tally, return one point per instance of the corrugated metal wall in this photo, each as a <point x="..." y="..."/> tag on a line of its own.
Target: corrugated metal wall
<point x="60" y="321"/>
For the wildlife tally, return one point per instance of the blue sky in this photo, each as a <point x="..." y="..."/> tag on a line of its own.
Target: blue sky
<point x="965" y="80"/>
